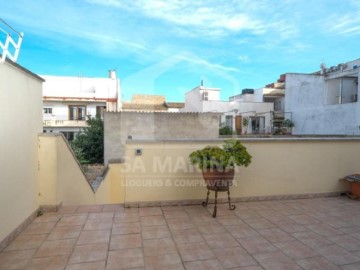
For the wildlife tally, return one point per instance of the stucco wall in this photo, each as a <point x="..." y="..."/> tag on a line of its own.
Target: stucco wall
<point x="61" y="180"/>
<point x="279" y="167"/>
<point x="21" y="121"/>
<point x="307" y="100"/>
<point x="155" y="126"/>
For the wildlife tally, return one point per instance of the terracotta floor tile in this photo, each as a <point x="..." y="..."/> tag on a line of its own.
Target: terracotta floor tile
<point x="241" y="230"/>
<point x="99" y="265"/>
<point x="257" y="244"/>
<point x="179" y="223"/>
<point x="160" y="246"/>
<point x="259" y="223"/>
<point x="311" y="239"/>
<point x="178" y="214"/>
<point x="94" y="237"/>
<point x="102" y="215"/>
<point x="26" y="242"/>
<point x="195" y="251"/>
<point x="56" y="247"/>
<point x="276" y="261"/>
<point x="246" y="214"/>
<point x="126" y="228"/>
<point x="353" y="266"/>
<point x="48" y="217"/>
<point x="230" y="220"/>
<point x="165" y="261"/>
<point x="275" y="235"/>
<point x="304" y="219"/>
<point x="48" y="263"/>
<point x="291" y="227"/>
<point x="151" y="232"/>
<point x="203" y="265"/>
<point x="234" y="257"/>
<point x="126" y="217"/>
<point x="16" y="259"/>
<point x="39" y="228"/>
<point x="75" y="220"/>
<point x="64" y="233"/>
<point x="221" y="240"/>
<point x="346" y="241"/>
<point x="296" y="249"/>
<point x="125" y="241"/>
<point x="125" y="259"/>
<point x="89" y="253"/>
<point x="338" y="255"/>
<point x="186" y="236"/>
<point x="150" y="211"/>
<point x="89" y="208"/>
<point x="324" y="229"/>
<point x="98" y="224"/>
<point x="152" y="221"/>
<point x="210" y="228"/>
<point x="317" y="263"/>
<point x="113" y="208"/>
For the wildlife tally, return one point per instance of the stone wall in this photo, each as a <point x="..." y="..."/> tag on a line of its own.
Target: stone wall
<point x="123" y="126"/>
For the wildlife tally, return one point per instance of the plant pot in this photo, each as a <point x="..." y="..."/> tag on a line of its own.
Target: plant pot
<point x="217" y="179"/>
<point x="355" y="189"/>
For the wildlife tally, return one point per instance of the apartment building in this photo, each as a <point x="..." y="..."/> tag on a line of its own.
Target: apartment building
<point x="67" y="101"/>
<point x="325" y="102"/>
<point x="234" y="111"/>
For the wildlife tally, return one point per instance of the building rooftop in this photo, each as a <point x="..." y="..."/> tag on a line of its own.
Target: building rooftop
<point x="318" y="233"/>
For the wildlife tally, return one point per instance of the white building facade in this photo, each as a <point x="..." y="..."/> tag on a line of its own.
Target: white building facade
<point x="67" y="101"/>
<point x="234" y="111"/>
<point x="325" y="102"/>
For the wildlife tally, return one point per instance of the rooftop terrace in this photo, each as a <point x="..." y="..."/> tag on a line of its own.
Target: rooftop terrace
<point x="320" y="233"/>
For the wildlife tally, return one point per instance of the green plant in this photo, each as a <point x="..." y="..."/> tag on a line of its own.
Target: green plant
<point x="288" y="123"/>
<point x="245" y="121"/>
<point x="225" y="130"/>
<point x="88" y="144"/>
<point x="232" y="154"/>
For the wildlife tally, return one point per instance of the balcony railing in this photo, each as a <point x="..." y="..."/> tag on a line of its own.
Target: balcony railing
<point x="64" y="123"/>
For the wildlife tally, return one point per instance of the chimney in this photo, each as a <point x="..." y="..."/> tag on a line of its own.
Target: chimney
<point x="112" y="74"/>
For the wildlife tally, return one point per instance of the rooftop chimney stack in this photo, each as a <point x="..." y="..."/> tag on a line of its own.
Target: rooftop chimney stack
<point x="112" y="74"/>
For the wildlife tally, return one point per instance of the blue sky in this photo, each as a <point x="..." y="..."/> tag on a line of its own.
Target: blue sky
<point x="167" y="47"/>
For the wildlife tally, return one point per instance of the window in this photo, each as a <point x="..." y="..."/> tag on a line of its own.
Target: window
<point x="206" y="96"/>
<point x="229" y="121"/>
<point x="77" y="112"/>
<point x="69" y="135"/>
<point x="47" y="110"/>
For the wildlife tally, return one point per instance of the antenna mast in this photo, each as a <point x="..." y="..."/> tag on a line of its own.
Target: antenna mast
<point x="9" y="48"/>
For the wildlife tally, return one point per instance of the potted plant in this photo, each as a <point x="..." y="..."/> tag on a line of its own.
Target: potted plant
<point x="217" y="166"/>
<point x="288" y="125"/>
<point x="245" y="123"/>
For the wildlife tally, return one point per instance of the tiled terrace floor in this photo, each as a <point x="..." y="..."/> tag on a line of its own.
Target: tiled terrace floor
<point x="321" y="233"/>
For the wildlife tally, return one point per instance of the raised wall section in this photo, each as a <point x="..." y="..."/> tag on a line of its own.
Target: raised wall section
<point x="118" y="127"/>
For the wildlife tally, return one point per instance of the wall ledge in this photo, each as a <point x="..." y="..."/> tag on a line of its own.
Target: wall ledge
<point x="8" y="239"/>
<point x="234" y="200"/>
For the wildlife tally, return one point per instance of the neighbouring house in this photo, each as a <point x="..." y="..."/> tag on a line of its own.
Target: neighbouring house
<point x="325" y="102"/>
<point x="151" y="103"/>
<point x="234" y="111"/>
<point x="67" y="101"/>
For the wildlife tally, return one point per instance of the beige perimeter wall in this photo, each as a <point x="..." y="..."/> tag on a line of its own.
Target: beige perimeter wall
<point x="61" y="180"/>
<point x="20" y="122"/>
<point x="279" y="167"/>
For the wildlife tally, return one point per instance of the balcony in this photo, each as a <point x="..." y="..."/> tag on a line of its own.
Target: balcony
<point x="318" y="233"/>
<point x="64" y="123"/>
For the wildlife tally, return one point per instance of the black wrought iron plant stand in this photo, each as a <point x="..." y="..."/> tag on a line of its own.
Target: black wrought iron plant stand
<point x="216" y="188"/>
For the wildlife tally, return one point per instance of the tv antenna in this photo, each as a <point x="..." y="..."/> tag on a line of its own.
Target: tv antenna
<point x="9" y="48"/>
